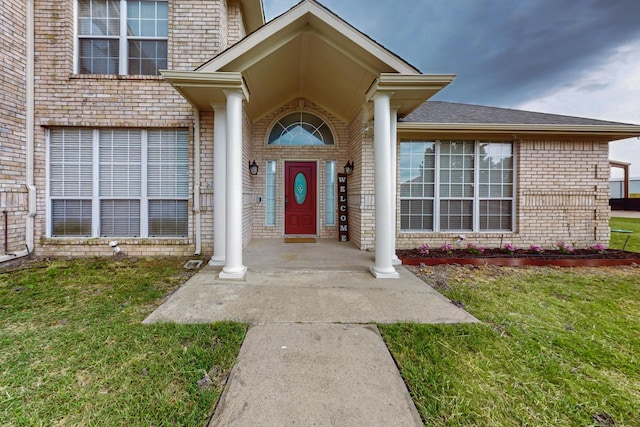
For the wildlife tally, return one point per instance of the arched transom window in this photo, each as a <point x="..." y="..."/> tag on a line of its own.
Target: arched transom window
<point x="301" y="129"/>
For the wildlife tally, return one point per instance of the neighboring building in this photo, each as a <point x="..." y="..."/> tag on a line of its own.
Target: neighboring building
<point x="147" y="114"/>
<point x="617" y="187"/>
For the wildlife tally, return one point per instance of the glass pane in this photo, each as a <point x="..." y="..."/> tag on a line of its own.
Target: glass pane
<point x="71" y="157"/>
<point x="330" y="193"/>
<point x="301" y="129"/>
<point x="71" y="218"/>
<point x="270" y="210"/>
<point x="99" y="18"/>
<point x="168" y="218"/>
<point x="120" y="218"/>
<point x="300" y="188"/>
<point x="147" y="57"/>
<point x="98" y="56"/>
<point x="162" y="10"/>
<point x="168" y="163"/>
<point x="120" y="162"/>
<point x="456" y="215"/>
<point x="495" y="215"/>
<point x="148" y="9"/>
<point x="416" y="215"/>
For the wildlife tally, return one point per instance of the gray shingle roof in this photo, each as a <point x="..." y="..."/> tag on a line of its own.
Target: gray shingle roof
<point x="451" y="112"/>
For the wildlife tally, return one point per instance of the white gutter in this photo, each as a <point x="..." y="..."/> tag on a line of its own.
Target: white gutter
<point x="196" y="179"/>
<point x="29" y="142"/>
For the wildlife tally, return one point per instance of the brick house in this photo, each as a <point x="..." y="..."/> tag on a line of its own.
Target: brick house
<point x="137" y="121"/>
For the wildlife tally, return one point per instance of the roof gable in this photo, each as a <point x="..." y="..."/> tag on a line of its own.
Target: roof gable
<point x="308" y="16"/>
<point x="308" y="52"/>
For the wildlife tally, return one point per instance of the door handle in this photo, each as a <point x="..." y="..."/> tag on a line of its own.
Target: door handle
<point x="286" y="202"/>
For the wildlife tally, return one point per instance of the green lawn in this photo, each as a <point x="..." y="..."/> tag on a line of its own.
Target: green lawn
<point x="75" y="353"/>
<point x="617" y="239"/>
<point x="556" y="347"/>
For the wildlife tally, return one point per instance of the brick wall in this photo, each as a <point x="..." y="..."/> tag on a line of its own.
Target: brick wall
<point x="197" y="32"/>
<point x="13" y="197"/>
<point x="361" y="199"/>
<point x="262" y="153"/>
<point x="562" y="194"/>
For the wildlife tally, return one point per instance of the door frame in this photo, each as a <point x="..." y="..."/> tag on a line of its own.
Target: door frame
<point x="283" y="189"/>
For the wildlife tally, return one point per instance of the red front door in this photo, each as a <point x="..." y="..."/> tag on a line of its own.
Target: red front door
<point x="300" y="198"/>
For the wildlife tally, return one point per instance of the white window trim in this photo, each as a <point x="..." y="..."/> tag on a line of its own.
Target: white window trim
<point x="476" y="193"/>
<point x="96" y="198"/>
<point x="123" y="39"/>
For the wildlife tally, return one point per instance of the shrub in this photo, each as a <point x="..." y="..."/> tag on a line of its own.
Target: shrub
<point x="509" y="248"/>
<point x="446" y="247"/>
<point x="536" y="249"/>
<point x="476" y="250"/>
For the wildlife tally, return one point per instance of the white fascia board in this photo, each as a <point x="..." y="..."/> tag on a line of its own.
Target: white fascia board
<point x="613" y="131"/>
<point x="390" y="82"/>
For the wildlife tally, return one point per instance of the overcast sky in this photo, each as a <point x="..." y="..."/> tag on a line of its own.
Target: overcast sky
<point x="573" y="57"/>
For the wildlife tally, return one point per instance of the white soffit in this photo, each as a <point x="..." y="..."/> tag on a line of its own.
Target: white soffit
<point x="308" y="52"/>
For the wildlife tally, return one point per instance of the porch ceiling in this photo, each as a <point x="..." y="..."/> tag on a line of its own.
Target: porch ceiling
<point x="306" y="53"/>
<point x="309" y="66"/>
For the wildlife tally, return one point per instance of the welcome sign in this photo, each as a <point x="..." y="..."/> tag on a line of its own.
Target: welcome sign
<point x="343" y="216"/>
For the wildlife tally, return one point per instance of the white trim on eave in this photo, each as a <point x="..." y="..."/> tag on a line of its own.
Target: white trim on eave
<point x="611" y="132"/>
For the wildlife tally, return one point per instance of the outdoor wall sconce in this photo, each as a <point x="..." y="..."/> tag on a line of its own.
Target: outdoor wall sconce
<point x="253" y="168"/>
<point x="348" y="168"/>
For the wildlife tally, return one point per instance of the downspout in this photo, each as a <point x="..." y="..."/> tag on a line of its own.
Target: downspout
<point x="29" y="136"/>
<point x="196" y="178"/>
<point x="30" y="121"/>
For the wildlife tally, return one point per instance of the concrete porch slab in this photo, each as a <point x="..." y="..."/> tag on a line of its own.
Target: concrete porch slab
<point x="308" y="296"/>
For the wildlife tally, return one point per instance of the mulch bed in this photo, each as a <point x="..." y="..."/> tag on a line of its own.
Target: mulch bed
<point x="581" y="257"/>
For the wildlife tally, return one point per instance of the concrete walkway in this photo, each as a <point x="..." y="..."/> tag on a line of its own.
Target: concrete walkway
<point x="625" y="214"/>
<point x="313" y="355"/>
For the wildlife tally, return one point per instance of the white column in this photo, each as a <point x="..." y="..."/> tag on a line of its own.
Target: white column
<point x="383" y="268"/>
<point x="233" y="268"/>
<point x="219" y="183"/>
<point x="394" y="178"/>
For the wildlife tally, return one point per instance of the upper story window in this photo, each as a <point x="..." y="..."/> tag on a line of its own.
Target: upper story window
<point x="301" y="129"/>
<point x="122" y="36"/>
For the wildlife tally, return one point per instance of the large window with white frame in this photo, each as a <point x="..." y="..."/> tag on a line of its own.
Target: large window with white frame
<point x="122" y="36"/>
<point x="453" y="186"/>
<point x="118" y="182"/>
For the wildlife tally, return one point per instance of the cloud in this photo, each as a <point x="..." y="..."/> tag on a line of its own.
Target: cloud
<point x="609" y="91"/>
<point x="567" y="57"/>
<point x="503" y="51"/>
